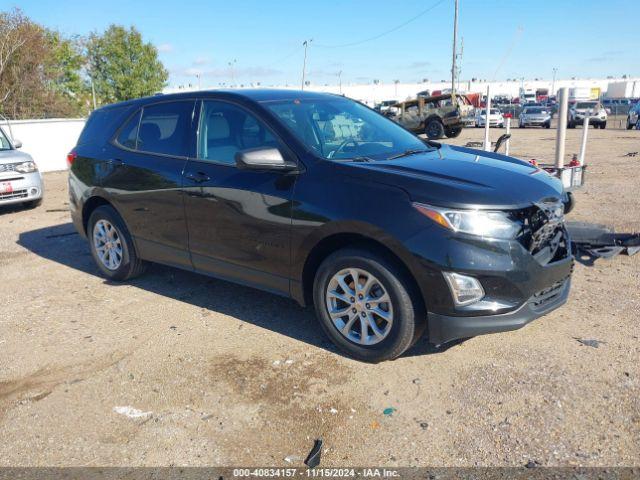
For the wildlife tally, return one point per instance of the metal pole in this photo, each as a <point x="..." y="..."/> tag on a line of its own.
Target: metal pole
<point x="563" y="103"/>
<point x="487" y="142"/>
<point x="553" y="82"/>
<point x="583" y="146"/>
<point x="304" y="62"/>
<point x="453" y="60"/>
<point x="506" y="144"/>
<point x="340" y="80"/>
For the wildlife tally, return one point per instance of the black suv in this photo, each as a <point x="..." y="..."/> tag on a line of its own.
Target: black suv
<point x="319" y="198"/>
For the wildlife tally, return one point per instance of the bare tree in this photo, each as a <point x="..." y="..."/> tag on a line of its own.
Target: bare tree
<point x="14" y="32"/>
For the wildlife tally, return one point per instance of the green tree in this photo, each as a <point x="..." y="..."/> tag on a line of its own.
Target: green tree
<point x="123" y="66"/>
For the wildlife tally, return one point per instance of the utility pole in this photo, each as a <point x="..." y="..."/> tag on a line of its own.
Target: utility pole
<point x="553" y="82"/>
<point x="305" y="44"/>
<point x="453" y="61"/>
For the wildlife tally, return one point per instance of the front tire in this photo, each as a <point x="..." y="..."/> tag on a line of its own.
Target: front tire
<point x="603" y="125"/>
<point x="629" y="125"/>
<point x="364" y="304"/>
<point x="111" y="245"/>
<point x="33" y="203"/>
<point x="434" y="129"/>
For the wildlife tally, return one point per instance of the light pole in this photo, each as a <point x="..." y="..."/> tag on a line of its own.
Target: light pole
<point x="340" y="81"/>
<point x="553" y="82"/>
<point x="305" y="44"/>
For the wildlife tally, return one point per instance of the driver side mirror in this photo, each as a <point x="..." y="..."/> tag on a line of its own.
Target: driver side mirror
<point x="263" y="159"/>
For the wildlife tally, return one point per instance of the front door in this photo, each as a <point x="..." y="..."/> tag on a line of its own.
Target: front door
<point x="238" y="221"/>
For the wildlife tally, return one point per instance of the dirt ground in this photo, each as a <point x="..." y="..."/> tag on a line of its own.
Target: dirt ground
<point x="174" y="368"/>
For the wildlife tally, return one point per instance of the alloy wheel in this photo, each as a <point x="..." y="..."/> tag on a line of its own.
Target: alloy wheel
<point x="359" y="306"/>
<point x="107" y="243"/>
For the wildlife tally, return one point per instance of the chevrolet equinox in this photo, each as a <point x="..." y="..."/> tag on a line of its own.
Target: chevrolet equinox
<point x="319" y="198"/>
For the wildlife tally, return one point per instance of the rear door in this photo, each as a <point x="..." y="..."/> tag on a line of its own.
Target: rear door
<point x="144" y="178"/>
<point x="238" y="221"/>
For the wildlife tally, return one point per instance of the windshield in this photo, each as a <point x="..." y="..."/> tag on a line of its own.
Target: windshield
<point x="533" y="110"/>
<point x="4" y="141"/>
<point x="586" y="104"/>
<point x="338" y="128"/>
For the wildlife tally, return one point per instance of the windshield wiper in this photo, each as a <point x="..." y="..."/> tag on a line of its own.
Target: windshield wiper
<point x="406" y="153"/>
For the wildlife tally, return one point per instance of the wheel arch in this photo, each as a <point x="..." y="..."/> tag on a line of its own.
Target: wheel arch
<point x="339" y="240"/>
<point x="90" y="205"/>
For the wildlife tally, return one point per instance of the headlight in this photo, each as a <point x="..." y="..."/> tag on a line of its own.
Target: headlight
<point x="493" y="224"/>
<point x="26" y="167"/>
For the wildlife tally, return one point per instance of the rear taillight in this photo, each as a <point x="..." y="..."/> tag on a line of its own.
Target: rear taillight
<point x="71" y="157"/>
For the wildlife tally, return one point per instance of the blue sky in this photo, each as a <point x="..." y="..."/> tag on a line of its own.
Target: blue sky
<point x="526" y="38"/>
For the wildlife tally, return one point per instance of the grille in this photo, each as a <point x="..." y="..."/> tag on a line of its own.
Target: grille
<point x="8" y="167"/>
<point x="14" y="194"/>
<point x="546" y="237"/>
<point x="548" y="296"/>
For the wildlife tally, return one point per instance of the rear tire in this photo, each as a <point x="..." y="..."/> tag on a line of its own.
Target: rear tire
<point x="115" y="266"/>
<point x="434" y="129"/>
<point x="603" y="125"/>
<point x="629" y="126"/>
<point x="453" y="132"/>
<point x="408" y="319"/>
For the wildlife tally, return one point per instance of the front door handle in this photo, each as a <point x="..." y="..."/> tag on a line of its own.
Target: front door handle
<point x="116" y="162"/>
<point x="198" y="177"/>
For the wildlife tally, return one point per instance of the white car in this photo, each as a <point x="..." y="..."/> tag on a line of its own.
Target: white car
<point x="593" y="109"/>
<point x="20" y="180"/>
<point x="495" y="118"/>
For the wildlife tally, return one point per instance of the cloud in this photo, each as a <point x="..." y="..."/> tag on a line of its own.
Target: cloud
<point x="200" y="61"/>
<point x="417" y="65"/>
<point x="165" y="48"/>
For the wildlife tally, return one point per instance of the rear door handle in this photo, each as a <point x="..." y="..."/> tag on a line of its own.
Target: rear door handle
<point x="198" y="177"/>
<point x="116" y="162"/>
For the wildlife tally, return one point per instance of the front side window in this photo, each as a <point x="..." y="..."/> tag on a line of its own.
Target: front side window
<point x="226" y="129"/>
<point x="165" y="128"/>
<point x="338" y="128"/>
<point x="4" y="141"/>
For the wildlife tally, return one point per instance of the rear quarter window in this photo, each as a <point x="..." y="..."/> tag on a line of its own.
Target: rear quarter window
<point x="101" y="125"/>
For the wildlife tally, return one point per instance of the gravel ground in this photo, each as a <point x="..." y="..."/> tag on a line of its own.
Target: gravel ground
<point x="178" y="369"/>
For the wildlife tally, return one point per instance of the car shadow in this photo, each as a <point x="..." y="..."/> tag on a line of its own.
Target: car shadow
<point x="62" y="244"/>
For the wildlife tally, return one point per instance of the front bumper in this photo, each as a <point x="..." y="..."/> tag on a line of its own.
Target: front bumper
<point x="536" y="122"/>
<point x="25" y="187"/>
<point x="592" y="120"/>
<point x="445" y="328"/>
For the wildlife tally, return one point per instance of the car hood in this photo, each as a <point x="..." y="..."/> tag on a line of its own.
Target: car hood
<point x="14" y="156"/>
<point x="460" y="177"/>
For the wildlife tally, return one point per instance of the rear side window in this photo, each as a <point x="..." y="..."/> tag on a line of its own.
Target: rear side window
<point x="165" y="128"/>
<point x="128" y="136"/>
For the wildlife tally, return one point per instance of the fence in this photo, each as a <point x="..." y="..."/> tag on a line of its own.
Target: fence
<point x="47" y="141"/>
